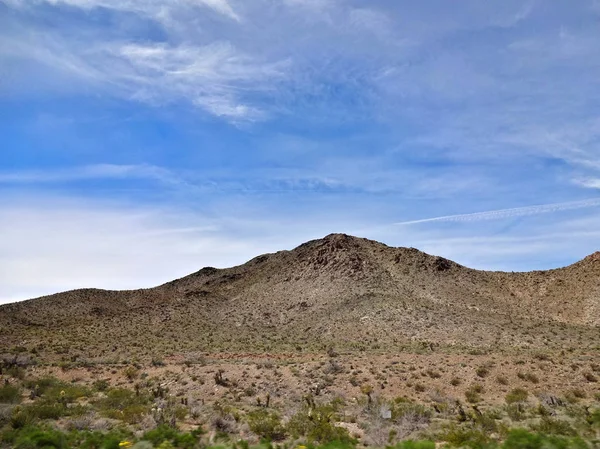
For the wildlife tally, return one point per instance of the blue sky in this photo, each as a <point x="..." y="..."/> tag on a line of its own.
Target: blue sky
<point x="142" y="139"/>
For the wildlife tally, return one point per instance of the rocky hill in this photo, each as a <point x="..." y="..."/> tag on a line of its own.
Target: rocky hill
<point x="343" y="292"/>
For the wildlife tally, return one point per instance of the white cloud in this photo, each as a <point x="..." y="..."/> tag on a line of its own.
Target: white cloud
<point x="52" y="52"/>
<point x="589" y="183"/>
<point x="54" y="244"/>
<point x="213" y="77"/>
<point x="97" y="171"/>
<point x="538" y="248"/>
<point x="151" y="8"/>
<point x="512" y="212"/>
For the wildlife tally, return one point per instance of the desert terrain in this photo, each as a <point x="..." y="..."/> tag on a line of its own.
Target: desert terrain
<point x="381" y="344"/>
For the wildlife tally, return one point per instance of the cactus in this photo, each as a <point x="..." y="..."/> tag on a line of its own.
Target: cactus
<point x="220" y="380"/>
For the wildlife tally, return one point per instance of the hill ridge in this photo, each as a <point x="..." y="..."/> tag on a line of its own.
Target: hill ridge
<point x="333" y="238"/>
<point x="339" y="290"/>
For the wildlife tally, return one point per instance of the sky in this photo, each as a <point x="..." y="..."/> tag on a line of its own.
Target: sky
<point x="144" y="139"/>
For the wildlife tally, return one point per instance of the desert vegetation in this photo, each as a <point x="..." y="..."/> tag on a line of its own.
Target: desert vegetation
<point x="362" y="345"/>
<point x="338" y="401"/>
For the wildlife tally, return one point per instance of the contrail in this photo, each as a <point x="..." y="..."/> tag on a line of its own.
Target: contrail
<point x="509" y="213"/>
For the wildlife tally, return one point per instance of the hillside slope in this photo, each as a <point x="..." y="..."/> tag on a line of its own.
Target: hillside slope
<point x="339" y="291"/>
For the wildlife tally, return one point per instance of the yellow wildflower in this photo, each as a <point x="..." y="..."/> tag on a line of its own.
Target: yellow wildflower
<point x="125" y="444"/>
<point x="301" y="447"/>
<point x="62" y="392"/>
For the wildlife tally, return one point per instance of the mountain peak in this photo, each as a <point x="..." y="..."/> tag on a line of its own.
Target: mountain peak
<point x="591" y="260"/>
<point x="344" y="288"/>
<point x="594" y="257"/>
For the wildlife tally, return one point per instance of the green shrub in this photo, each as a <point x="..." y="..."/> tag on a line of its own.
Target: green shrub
<point x="515" y="412"/>
<point x="473" y="393"/>
<point x="316" y="424"/>
<point x="46" y="411"/>
<point x="335" y="445"/>
<point x="403" y="408"/>
<point x="420" y="388"/>
<point x="101" y="385"/>
<point x="482" y="371"/>
<point x="522" y="439"/>
<point x="415" y="445"/>
<point x="466" y="436"/>
<point x="38" y="438"/>
<point x="132" y="414"/>
<point x="10" y="394"/>
<point x="266" y="425"/>
<point x="180" y="412"/>
<point x="486" y="421"/>
<point x="67" y="393"/>
<point x="120" y="398"/>
<point x="52" y="389"/>
<point x="530" y="377"/>
<point x="42" y="384"/>
<point x="32" y="436"/>
<point x="164" y="433"/>
<point x="131" y="372"/>
<point x="516" y="395"/>
<point x="502" y="380"/>
<point x="575" y="394"/>
<point x="593" y="419"/>
<point x="124" y="404"/>
<point x="20" y="418"/>
<point x="17" y="372"/>
<point x="554" y="426"/>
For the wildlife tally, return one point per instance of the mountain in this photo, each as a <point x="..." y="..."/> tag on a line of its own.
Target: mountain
<point x="344" y="292"/>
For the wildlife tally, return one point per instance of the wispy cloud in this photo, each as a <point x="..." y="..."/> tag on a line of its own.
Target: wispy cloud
<point x="55" y="243"/>
<point x="46" y="246"/>
<point x="217" y="77"/>
<point x="511" y="213"/>
<point x="98" y="171"/>
<point x="589" y="183"/>
<point x="341" y="176"/>
<point x="151" y="8"/>
<point x="214" y="77"/>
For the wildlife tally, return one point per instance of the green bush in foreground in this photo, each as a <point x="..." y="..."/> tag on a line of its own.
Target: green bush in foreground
<point x="267" y="425"/>
<point x="177" y="439"/>
<point x="415" y="445"/>
<point x="555" y="427"/>
<point x="33" y="437"/>
<point x="522" y="439"/>
<point x="163" y="437"/>
<point x="466" y="437"/>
